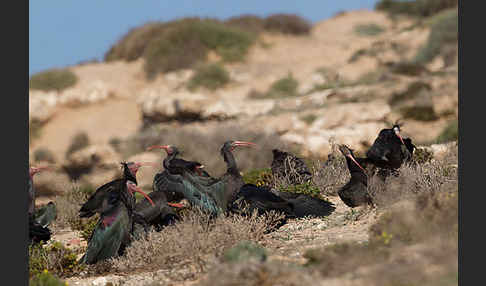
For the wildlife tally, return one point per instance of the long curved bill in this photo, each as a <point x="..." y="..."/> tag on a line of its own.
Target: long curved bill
<point x="158" y="147"/>
<point x="399" y="136"/>
<point x="244" y="143"/>
<point x="351" y="157"/>
<point x="175" y="205"/>
<point x="134" y="188"/>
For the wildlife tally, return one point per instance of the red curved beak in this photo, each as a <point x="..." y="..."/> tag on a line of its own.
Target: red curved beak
<point x="244" y="143"/>
<point x="351" y="157"/>
<point x="166" y="147"/>
<point x="399" y="136"/>
<point x="133" y="188"/>
<point x="176" y="205"/>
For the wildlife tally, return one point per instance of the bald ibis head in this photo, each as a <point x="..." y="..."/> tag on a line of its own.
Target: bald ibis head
<point x="231" y="145"/>
<point x="396" y="129"/>
<point x="171" y="150"/>
<point x="348" y="152"/>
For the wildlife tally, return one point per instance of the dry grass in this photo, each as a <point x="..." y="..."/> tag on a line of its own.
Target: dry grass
<point x="195" y="240"/>
<point x="68" y="206"/>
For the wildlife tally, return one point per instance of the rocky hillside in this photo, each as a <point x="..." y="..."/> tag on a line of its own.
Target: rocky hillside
<point x="351" y="76"/>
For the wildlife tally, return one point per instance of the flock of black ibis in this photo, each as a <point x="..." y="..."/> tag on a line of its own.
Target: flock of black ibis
<point x="122" y="218"/>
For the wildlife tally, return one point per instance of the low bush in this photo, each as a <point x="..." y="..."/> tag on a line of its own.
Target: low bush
<point x="210" y="76"/>
<point x="286" y="86"/>
<point x="413" y="91"/>
<point x="44" y="154"/>
<point x="187" y="41"/>
<point x="54" y="258"/>
<point x="250" y="23"/>
<point x="443" y="36"/>
<point x="450" y="133"/>
<point x="46" y="279"/>
<point x="368" y="29"/>
<point x="287" y="24"/>
<point x="420" y="113"/>
<point x="53" y="79"/>
<point x="417" y="8"/>
<point x="79" y="141"/>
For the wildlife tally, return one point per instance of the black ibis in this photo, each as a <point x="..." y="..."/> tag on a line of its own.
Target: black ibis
<point x="355" y="192"/>
<point x="38" y="222"/>
<point x="212" y="195"/>
<point x="174" y="166"/>
<point x="387" y="151"/>
<point x="115" y="203"/>
<point x="290" y="167"/>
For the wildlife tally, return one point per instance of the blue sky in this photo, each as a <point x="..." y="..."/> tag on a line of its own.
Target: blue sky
<point x="65" y="33"/>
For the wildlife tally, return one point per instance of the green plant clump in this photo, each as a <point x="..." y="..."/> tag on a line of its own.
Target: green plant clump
<point x="188" y="41"/>
<point x="53" y="79"/>
<point x="450" y="132"/>
<point x="420" y="113"/>
<point x="443" y="36"/>
<point x="417" y="8"/>
<point x="283" y="87"/>
<point x="211" y="76"/>
<point x="368" y="29"/>
<point x="259" y="177"/>
<point x="54" y="258"/>
<point x="46" y="279"/>
<point x="245" y="250"/>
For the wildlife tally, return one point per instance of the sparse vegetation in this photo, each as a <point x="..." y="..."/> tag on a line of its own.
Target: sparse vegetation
<point x="421" y="113"/>
<point x="205" y="241"/>
<point x="413" y="91"/>
<point x="309" y="118"/>
<point x="450" y="132"/>
<point x="368" y="29"/>
<point x="250" y="23"/>
<point x="210" y="76"/>
<point x="35" y="127"/>
<point x="418" y="8"/>
<point x="187" y="42"/>
<point x="46" y="279"/>
<point x="287" y="24"/>
<point x="245" y="250"/>
<point x="410" y="68"/>
<point x="78" y="142"/>
<point x="54" y="258"/>
<point x="53" y="79"/>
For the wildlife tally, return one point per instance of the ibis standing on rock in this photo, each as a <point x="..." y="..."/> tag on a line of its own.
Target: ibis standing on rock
<point x="115" y="202"/>
<point x="355" y="192"/>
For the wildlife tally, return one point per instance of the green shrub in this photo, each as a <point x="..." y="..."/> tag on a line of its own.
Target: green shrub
<point x="421" y="155"/>
<point x="53" y="79"/>
<point x="443" y="34"/>
<point x="421" y="113"/>
<point x="133" y="45"/>
<point x="368" y="29"/>
<point x="211" y="76"/>
<point x="287" y="24"/>
<point x="245" y="250"/>
<point x="309" y="118"/>
<point x="283" y="87"/>
<point x="54" y="258"/>
<point x="78" y="142"/>
<point x="46" y="279"/>
<point x="418" y="8"/>
<point x="259" y="177"/>
<point x="250" y="23"/>
<point x="44" y="154"/>
<point x="188" y="41"/>
<point x="412" y="91"/>
<point x="450" y="133"/>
